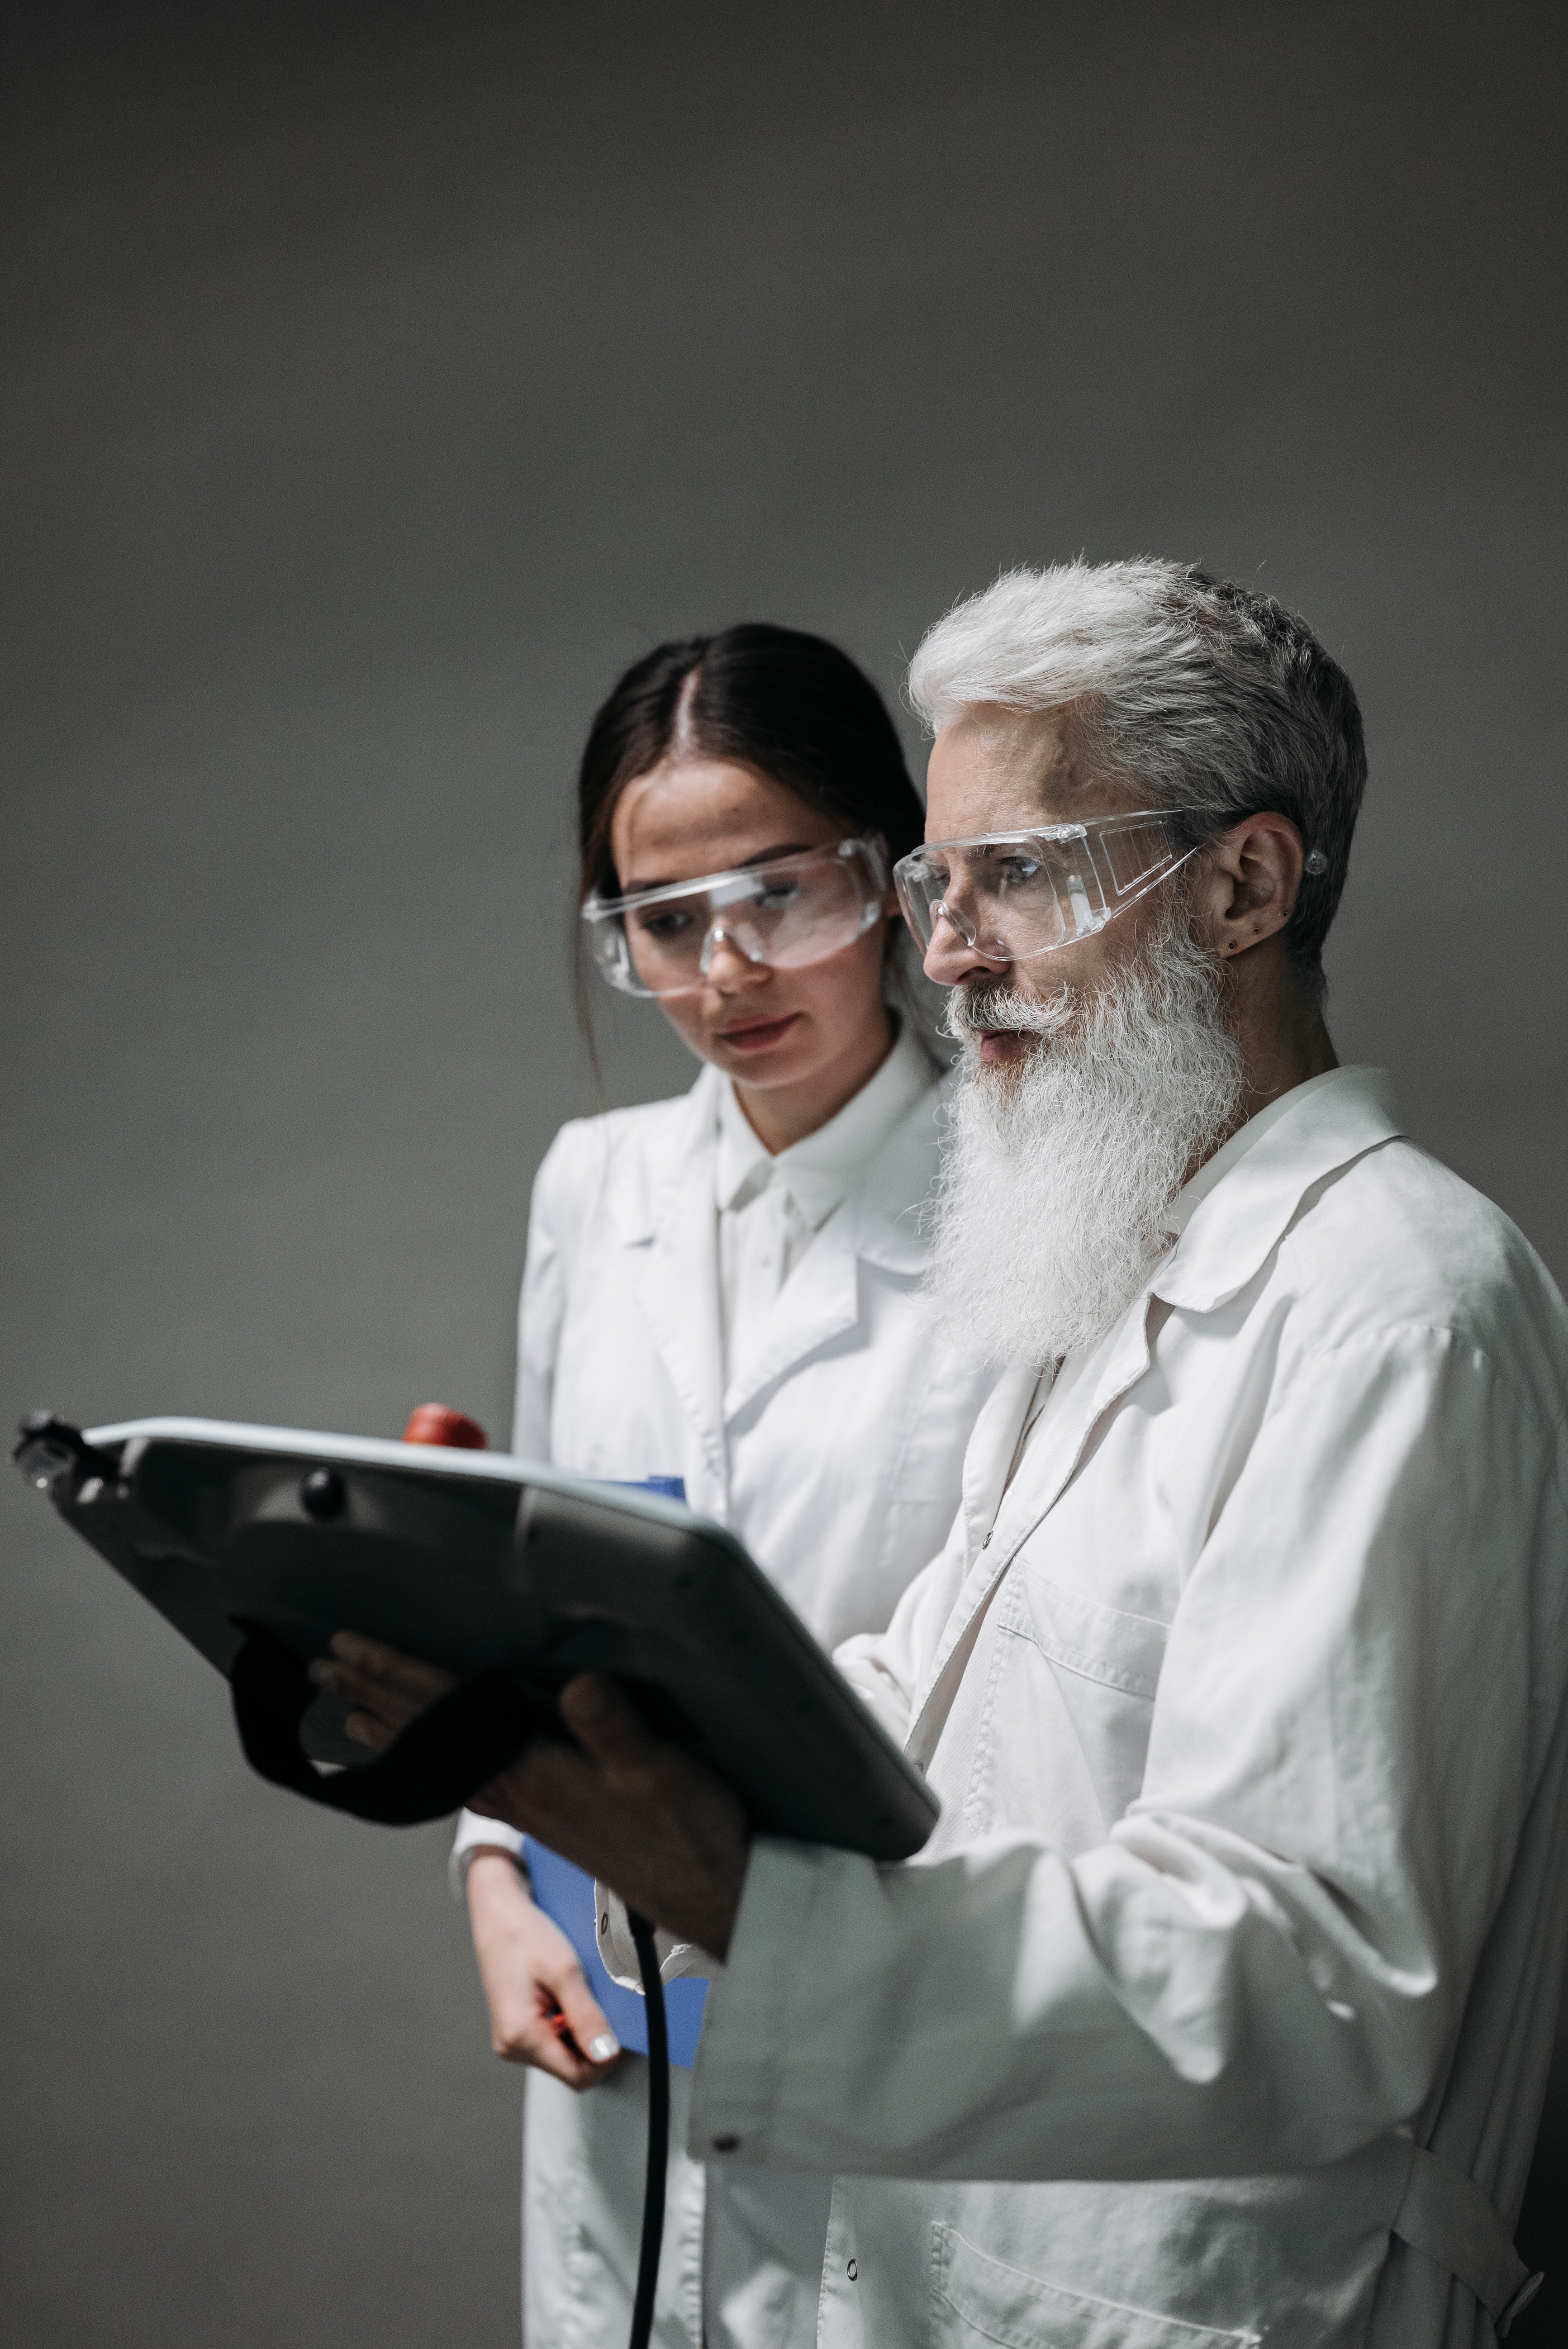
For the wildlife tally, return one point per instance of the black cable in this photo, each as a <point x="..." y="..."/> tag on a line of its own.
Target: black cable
<point x="658" y="2132"/>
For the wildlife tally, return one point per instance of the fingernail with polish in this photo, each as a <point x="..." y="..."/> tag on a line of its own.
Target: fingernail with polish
<point x="604" y="2047"/>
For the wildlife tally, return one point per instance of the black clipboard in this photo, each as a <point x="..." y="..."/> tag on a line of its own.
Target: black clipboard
<point x="258" y="1543"/>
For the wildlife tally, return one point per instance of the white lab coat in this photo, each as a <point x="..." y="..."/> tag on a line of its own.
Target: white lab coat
<point x="1232" y="1964"/>
<point x="836" y="1455"/>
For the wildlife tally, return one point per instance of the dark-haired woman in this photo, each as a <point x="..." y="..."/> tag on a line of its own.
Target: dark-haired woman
<point x="725" y="1288"/>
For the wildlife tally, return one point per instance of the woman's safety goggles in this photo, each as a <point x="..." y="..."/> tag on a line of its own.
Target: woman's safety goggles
<point x="796" y="910"/>
<point x="1011" y="895"/>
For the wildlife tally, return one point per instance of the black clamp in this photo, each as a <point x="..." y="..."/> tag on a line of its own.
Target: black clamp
<point x="53" y="1455"/>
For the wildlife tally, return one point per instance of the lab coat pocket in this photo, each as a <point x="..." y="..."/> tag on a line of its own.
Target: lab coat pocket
<point x="1074" y="1682"/>
<point x="975" y="2299"/>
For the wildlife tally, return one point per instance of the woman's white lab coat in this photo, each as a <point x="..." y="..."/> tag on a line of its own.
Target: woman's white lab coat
<point x="837" y="1457"/>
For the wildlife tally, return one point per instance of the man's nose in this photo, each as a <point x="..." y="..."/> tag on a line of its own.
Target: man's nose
<point x="951" y="960"/>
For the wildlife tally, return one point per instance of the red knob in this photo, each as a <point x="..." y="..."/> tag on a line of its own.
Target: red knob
<point x="436" y="1422"/>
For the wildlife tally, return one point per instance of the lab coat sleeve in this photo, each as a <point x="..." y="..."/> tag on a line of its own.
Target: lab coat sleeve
<point x="474" y="1834"/>
<point x="1263" y="1965"/>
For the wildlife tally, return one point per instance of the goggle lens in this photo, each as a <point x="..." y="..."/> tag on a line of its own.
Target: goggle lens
<point x="785" y="915"/>
<point x="1010" y="895"/>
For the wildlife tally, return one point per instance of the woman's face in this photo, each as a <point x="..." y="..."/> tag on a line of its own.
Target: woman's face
<point x="767" y="1029"/>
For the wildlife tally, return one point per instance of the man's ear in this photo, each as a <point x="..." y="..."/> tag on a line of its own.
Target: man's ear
<point x="1247" y="883"/>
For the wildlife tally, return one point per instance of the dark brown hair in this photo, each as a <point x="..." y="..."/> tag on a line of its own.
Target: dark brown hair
<point x="792" y="707"/>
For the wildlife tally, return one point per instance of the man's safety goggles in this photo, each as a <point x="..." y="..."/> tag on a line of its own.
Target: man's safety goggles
<point x="796" y="910"/>
<point x="1011" y="895"/>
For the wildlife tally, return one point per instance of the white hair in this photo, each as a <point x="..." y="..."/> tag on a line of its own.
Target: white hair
<point x="1208" y="697"/>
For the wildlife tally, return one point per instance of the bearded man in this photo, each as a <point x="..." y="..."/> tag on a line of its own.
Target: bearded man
<point x="1219" y="2006"/>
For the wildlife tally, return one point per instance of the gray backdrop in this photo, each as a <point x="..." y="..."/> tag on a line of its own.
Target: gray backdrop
<point x="383" y="381"/>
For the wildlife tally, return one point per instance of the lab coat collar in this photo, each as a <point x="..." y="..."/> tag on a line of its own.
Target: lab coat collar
<point x="652" y="1168"/>
<point x="659" y="1196"/>
<point x="883" y="1212"/>
<point x="1238" y="1205"/>
<point x="877" y="1223"/>
<point x="661" y="1201"/>
<point x="819" y="1171"/>
<point x="1235" y="1209"/>
<point x="1231" y="1214"/>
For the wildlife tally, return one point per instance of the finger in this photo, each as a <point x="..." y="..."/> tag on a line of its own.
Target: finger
<point x="542" y="2045"/>
<point x="582" y="2015"/>
<point x="380" y="1704"/>
<point x="373" y="1661"/>
<point x="366" y="1730"/>
<point x="606" y="1723"/>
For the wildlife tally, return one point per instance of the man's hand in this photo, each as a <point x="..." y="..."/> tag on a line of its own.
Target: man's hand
<point x="626" y="1806"/>
<point x="542" y="2010"/>
<point x="633" y="1810"/>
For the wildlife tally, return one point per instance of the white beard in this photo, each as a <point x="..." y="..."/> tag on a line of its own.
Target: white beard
<point x="1060" y="1172"/>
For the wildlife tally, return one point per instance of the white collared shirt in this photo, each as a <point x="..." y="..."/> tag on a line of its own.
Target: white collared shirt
<point x="771" y="1206"/>
<point x="1246" y="1701"/>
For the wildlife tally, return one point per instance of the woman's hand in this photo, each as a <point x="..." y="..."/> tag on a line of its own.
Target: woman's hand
<point x="542" y="2010"/>
<point x="388" y="1690"/>
<point x="625" y="1804"/>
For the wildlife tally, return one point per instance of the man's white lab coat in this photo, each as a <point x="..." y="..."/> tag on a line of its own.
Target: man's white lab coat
<point x="835" y="1450"/>
<point x="1244" y="1700"/>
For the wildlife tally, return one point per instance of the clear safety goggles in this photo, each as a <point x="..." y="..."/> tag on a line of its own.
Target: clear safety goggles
<point x="796" y="910"/>
<point x="1012" y="894"/>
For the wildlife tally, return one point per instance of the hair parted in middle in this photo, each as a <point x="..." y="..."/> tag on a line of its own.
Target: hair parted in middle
<point x="785" y="704"/>
<point x="788" y="705"/>
<point x="1209" y="697"/>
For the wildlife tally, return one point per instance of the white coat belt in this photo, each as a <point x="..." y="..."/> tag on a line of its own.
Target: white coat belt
<point x="1445" y="2216"/>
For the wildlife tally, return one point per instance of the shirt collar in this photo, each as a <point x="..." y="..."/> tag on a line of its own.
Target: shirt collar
<point x="817" y="1173"/>
<point x="1237" y="1207"/>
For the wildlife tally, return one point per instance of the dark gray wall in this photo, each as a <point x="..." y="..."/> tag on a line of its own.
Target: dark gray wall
<point x="382" y="381"/>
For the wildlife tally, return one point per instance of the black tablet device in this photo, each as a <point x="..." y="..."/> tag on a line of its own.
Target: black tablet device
<point x="258" y="1543"/>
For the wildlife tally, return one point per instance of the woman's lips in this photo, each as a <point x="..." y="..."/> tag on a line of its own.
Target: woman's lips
<point x="756" y="1035"/>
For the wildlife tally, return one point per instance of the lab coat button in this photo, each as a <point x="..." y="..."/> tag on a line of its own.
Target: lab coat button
<point x="852" y="2270"/>
<point x="725" y="2143"/>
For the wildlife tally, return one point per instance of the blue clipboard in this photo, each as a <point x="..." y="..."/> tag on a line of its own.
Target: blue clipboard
<point x="566" y="1895"/>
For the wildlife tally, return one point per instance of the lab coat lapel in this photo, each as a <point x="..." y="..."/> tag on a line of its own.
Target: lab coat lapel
<point x="1221" y="1245"/>
<point x="662" y="1205"/>
<point x="1054" y="1453"/>
<point x="875" y="1224"/>
<point x="1014" y="1510"/>
<point x="818" y="1303"/>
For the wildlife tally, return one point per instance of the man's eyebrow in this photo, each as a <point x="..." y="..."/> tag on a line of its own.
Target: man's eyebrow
<point x="763" y="856"/>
